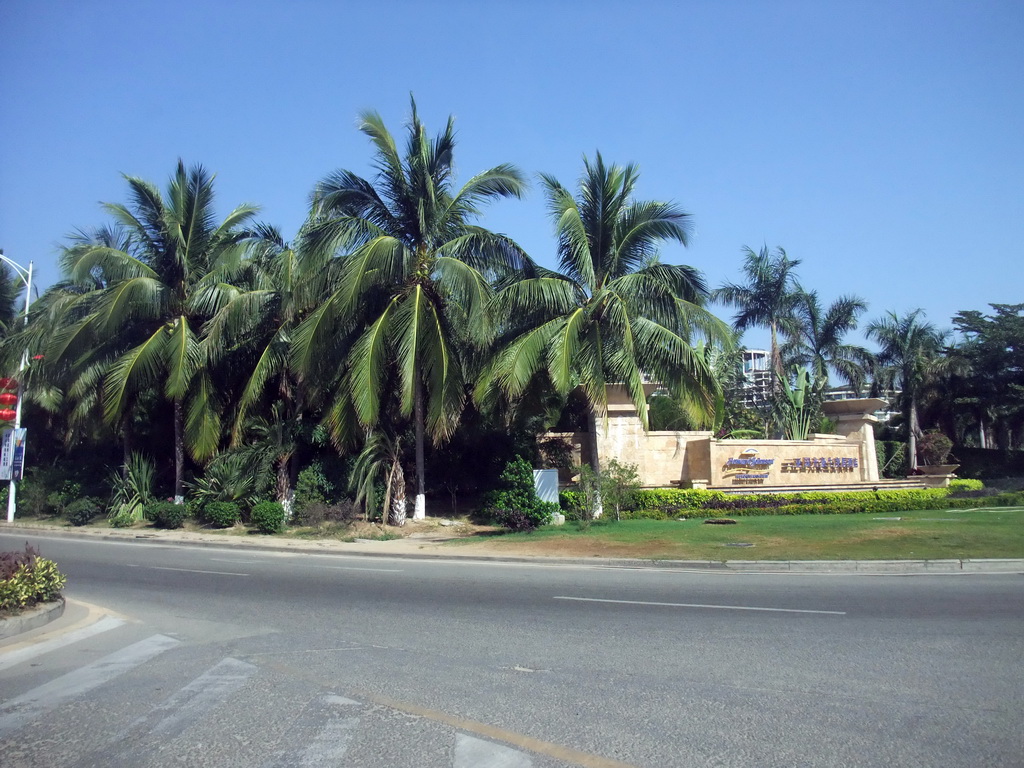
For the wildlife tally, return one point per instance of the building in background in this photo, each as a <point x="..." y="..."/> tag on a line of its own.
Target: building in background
<point x="757" y="378"/>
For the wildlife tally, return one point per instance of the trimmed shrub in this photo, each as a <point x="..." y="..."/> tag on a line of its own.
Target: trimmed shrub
<point x="669" y="502"/>
<point x="121" y="518"/>
<point x="167" y="514"/>
<point x="26" y="579"/>
<point x="221" y="514"/>
<point x="268" y="517"/>
<point x="83" y="510"/>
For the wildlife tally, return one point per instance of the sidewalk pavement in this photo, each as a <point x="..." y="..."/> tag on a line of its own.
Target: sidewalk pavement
<point x="431" y="546"/>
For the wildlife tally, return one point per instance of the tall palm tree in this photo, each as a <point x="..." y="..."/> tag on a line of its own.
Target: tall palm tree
<point x="150" y="291"/>
<point x="614" y="314"/>
<point x="768" y="298"/>
<point x="817" y="341"/>
<point x="910" y="357"/>
<point x="413" y="288"/>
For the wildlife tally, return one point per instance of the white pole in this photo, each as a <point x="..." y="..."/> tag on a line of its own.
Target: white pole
<point x="13" y="488"/>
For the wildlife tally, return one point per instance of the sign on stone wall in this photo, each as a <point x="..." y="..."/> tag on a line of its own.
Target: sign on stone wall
<point x="783" y="463"/>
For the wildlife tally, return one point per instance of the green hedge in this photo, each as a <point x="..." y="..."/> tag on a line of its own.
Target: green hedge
<point x="26" y="579"/>
<point x="665" y="503"/>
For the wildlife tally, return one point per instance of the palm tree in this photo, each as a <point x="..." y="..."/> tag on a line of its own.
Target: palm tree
<point x="910" y="357"/>
<point x="275" y="289"/>
<point x="768" y="299"/>
<point x="615" y="314"/>
<point x="817" y="341"/>
<point x="149" y="289"/>
<point x="413" y="291"/>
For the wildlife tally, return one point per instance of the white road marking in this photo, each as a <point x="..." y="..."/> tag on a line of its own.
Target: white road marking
<point x="329" y="745"/>
<point x="11" y="658"/>
<point x="192" y="702"/>
<point x="353" y="568"/>
<point x="320" y="738"/>
<point x="23" y="709"/>
<point x="471" y="752"/>
<point x="184" y="570"/>
<point x="698" y="605"/>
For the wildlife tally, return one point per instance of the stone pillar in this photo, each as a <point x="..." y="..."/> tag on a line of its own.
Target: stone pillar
<point x="855" y="420"/>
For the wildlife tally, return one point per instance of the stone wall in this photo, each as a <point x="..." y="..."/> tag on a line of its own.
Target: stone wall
<point x="697" y="459"/>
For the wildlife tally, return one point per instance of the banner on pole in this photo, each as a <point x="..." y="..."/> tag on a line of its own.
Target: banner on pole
<point x="12" y="454"/>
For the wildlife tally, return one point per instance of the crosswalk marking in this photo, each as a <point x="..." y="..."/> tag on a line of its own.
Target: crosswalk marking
<point x="471" y="752"/>
<point x="330" y="729"/>
<point x="23" y="709"/>
<point x="12" y="658"/>
<point x="192" y="702"/>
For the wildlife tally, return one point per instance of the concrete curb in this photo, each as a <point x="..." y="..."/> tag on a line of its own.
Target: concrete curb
<point x="268" y="544"/>
<point x="31" y="618"/>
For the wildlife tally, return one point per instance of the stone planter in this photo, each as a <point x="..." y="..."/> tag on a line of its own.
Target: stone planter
<point x="937" y="469"/>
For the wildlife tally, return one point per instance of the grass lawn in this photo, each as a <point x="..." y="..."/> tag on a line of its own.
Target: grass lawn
<point x="916" y="535"/>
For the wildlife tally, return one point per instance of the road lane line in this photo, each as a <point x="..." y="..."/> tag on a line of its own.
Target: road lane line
<point x="354" y="568"/>
<point x="183" y="570"/>
<point x="698" y="605"/>
<point x="23" y="709"/>
<point x="20" y="655"/>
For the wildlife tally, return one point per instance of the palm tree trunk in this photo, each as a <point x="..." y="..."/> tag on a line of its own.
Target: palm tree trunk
<point x="420" y="508"/>
<point x="776" y="359"/>
<point x="179" y="452"/>
<point x="912" y="433"/>
<point x="126" y="445"/>
<point x="595" y="463"/>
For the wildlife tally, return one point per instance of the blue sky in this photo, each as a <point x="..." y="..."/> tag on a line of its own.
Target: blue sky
<point x="878" y="142"/>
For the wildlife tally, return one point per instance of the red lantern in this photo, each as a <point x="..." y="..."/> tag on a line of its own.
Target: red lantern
<point x="8" y="398"/>
<point x="6" y="414"/>
<point x="8" y="384"/>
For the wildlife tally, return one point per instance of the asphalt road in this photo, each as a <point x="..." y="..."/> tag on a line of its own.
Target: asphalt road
<point x="221" y="658"/>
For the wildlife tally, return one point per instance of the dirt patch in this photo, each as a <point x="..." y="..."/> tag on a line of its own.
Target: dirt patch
<point x="576" y="547"/>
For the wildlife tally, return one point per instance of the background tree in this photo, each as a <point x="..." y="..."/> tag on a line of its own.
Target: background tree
<point x="414" y="285"/>
<point x="817" y="341"/>
<point x="614" y="314"/>
<point x="989" y="387"/>
<point x="768" y="299"/>
<point x="909" y="359"/>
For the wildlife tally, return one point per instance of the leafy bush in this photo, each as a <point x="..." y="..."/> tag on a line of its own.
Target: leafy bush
<point x="26" y="579"/>
<point x="268" y="517"/>
<point x="572" y="504"/>
<point x="121" y="518"/>
<point x="221" y="514"/>
<point x="311" y="487"/>
<point x="933" y="447"/>
<point x="319" y="513"/>
<point x="131" y="491"/>
<point x="516" y="506"/>
<point x="229" y="477"/>
<point x="83" y="510"/>
<point x="167" y="514"/>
